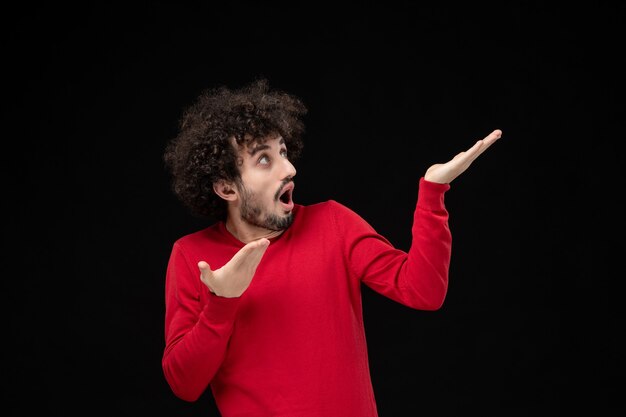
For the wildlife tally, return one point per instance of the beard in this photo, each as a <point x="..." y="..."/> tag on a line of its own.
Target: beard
<point x="253" y="212"/>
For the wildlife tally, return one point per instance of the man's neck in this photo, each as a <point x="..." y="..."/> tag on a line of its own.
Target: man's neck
<point x="247" y="233"/>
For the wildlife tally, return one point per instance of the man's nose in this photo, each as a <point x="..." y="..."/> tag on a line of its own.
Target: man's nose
<point x="290" y="170"/>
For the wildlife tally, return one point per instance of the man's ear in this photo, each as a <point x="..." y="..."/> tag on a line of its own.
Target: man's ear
<point x="225" y="189"/>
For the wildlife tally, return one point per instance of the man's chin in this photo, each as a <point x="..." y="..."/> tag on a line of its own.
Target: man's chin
<point x="285" y="221"/>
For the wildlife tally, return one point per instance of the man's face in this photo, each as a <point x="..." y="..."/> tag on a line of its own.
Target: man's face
<point x="265" y="191"/>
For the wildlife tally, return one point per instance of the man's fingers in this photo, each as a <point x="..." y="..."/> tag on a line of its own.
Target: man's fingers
<point x="251" y="252"/>
<point x="205" y="269"/>
<point x="493" y="136"/>
<point x="446" y="173"/>
<point x="203" y="266"/>
<point x="258" y="250"/>
<point x="490" y="139"/>
<point x="469" y="155"/>
<point x="482" y="145"/>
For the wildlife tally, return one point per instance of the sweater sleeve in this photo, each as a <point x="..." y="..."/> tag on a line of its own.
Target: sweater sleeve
<point x="196" y="333"/>
<point x="417" y="279"/>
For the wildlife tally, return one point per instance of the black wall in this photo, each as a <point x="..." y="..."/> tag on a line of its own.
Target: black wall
<point x="94" y="92"/>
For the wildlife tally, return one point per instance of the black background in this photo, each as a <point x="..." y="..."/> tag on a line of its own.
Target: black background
<point x="93" y="92"/>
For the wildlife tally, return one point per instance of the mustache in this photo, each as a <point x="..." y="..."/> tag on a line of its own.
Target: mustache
<point x="282" y="185"/>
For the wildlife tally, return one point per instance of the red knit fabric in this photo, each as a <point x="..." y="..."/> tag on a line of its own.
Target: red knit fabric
<point x="294" y="343"/>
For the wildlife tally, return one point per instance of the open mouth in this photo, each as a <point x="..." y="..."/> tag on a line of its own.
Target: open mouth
<point x="285" y="196"/>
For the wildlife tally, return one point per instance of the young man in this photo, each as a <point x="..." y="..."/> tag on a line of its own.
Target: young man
<point x="264" y="306"/>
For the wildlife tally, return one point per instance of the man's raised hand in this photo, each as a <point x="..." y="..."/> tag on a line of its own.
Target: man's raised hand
<point x="233" y="279"/>
<point x="445" y="173"/>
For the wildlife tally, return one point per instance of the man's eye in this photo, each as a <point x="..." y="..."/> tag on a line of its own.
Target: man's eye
<point x="264" y="160"/>
<point x="283" y="153"/>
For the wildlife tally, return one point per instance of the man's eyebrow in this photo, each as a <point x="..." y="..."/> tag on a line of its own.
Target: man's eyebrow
<point x="257" y="149"/>
<point x="263" y="146"/>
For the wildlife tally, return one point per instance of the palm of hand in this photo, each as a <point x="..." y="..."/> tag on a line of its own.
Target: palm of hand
<point x="445" y="173"/>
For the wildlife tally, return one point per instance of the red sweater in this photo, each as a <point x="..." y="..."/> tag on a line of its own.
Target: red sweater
<point x="294" y="343"/>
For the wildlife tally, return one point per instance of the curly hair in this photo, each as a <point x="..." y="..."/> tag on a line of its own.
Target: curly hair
<point x="202" y="153"/>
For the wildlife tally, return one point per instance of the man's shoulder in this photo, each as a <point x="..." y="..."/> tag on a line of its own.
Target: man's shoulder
<point x="321" y="208"/>
<point x="328" y="209"/>
<point x="323" y="205"/>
